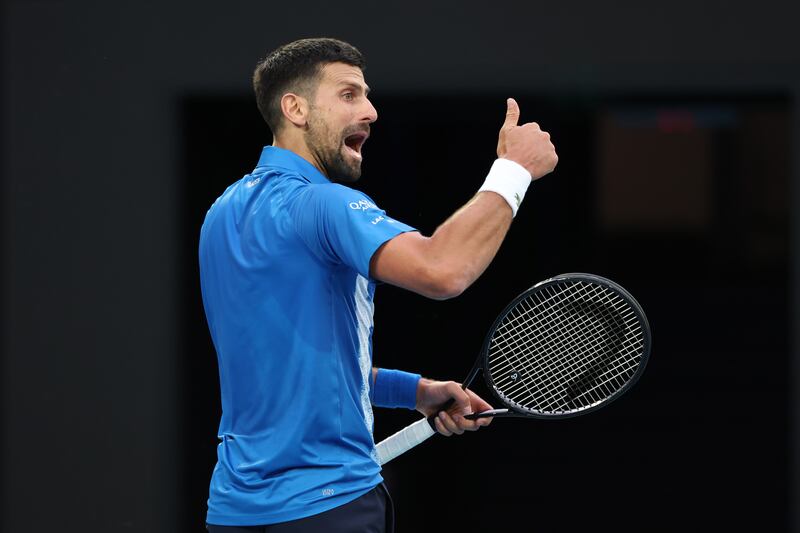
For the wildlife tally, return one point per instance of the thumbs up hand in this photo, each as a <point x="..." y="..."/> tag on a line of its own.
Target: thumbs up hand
<point x="527" y="145"/>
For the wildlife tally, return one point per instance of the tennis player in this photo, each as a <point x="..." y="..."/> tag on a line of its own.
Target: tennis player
<point x="289" y="259"/>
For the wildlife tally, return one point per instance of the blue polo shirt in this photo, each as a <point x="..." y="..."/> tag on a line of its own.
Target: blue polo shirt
<point x="284" y="272"/>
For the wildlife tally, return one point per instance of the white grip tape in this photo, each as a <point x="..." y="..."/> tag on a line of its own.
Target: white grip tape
<point x="508" y="179"/>
<point x="403" y="440"/>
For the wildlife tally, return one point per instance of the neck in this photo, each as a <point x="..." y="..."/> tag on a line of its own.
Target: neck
<point x="299" y="147"/>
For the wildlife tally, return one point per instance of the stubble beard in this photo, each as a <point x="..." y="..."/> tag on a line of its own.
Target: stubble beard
<point x="328" y="147"/>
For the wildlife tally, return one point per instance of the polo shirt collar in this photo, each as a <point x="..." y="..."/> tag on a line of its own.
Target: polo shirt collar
<point x="274" y="157"/>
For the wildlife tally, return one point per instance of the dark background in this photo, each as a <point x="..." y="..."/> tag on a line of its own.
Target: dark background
<point x="676" y="127"/>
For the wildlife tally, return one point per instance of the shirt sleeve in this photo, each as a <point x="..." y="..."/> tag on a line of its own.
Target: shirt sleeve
<point x="342" y="225"/>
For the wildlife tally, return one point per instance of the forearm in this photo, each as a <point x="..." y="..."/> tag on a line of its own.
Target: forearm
<point x="464" y="245"/>
<point x="443" y="265"/>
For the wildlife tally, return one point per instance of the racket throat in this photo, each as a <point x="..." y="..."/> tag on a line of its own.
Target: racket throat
<point x="472" y="373"/>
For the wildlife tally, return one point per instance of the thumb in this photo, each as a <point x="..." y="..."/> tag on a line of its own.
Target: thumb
<point x="512" y="114"/>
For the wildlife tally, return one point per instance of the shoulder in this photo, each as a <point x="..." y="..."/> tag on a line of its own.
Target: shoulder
<point x="329" y="195"/>
<point x="337" y="195"/>
<point x="284" y="186"/>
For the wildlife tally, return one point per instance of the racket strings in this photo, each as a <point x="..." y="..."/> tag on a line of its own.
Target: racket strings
<point x="551" y="382"/>
<point x="565" y="347"/>
<point x="579" y="377"/>
<point x="583" y="375"/>
<point x="525" y="321"/>
<point x="528" y="342"/>
<point x="519" y="343"/>
<point x="551" y="372"/>
<point x="551" y="387"/>
<point x="578" y="381"/>
<point x="526" y="338"/>
<point x="617" y="384"/>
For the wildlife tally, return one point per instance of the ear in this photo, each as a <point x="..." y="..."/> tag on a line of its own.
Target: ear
<point x="295" y="109"/>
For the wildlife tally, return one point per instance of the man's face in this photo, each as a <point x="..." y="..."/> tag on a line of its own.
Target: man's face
<point x="338" y="121"/>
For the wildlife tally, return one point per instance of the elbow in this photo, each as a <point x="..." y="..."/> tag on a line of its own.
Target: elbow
<point x="451" y="288"/>
<point x="445" y="285"/>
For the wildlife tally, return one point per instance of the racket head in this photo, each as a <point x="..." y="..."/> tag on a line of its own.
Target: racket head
<point x="566" y="347"/>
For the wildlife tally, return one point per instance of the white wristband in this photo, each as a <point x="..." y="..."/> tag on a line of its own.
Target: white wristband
<point x="508" y="179"/>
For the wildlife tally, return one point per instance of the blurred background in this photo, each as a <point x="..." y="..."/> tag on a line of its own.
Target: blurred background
<point x="676" y="126"/>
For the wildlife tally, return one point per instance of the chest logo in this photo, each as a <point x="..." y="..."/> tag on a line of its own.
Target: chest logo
<point x="363" y="205"/>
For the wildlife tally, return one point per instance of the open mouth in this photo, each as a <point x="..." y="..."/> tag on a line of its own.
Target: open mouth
<point x="354" y="142"/>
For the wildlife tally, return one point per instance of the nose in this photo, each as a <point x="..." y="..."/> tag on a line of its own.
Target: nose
<point x="370" y="113"/>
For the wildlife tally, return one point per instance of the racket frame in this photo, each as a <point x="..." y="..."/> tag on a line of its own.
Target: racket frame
<point x="512" y="411"/>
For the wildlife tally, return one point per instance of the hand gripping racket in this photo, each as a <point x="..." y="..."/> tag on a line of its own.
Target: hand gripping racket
<point x="565" y="347"/>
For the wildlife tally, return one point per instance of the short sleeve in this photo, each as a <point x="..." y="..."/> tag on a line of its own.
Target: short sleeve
<point x="342" y="225"/>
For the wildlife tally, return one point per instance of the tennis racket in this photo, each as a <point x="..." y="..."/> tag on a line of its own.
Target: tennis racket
<point x="565" y="347"/>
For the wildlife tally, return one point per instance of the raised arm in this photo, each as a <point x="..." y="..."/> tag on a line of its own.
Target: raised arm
<point x="446" y="263"/>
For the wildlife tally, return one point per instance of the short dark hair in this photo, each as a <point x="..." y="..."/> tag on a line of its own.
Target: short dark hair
<point x="296" y="67"/>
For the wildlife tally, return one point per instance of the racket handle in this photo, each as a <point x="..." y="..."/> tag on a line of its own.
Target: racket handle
<point x="405" y="439"/>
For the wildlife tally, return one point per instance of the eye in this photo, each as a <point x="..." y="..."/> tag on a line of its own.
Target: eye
<point x="348" y="96"/>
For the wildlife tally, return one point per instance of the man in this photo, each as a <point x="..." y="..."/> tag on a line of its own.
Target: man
<point x="289" y="259"/>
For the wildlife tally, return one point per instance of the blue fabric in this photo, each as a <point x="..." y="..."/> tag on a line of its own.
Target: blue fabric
<point x="395" y="388"/>
<point x="284" y="272"/>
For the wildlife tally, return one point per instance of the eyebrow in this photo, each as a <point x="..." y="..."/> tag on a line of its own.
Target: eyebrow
<point x="355" y="85"/>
